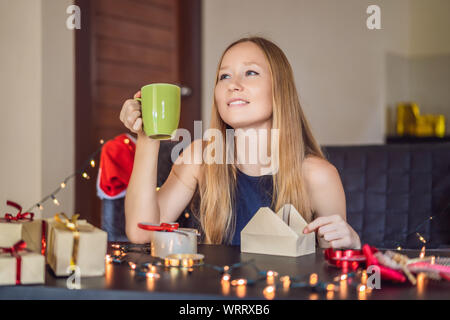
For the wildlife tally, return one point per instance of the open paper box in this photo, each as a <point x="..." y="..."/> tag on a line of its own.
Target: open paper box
<point x="278" y="233"/>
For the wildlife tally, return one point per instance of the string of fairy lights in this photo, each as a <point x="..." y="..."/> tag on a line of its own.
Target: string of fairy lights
<point x="90" y="162"/>
<point x="82" y="171"/>
<point x="271" y="281"/>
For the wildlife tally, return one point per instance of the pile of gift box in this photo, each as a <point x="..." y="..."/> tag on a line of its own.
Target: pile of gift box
<point x="27" y="245"/>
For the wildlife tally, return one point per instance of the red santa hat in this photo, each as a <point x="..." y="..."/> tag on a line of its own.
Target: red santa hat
<point x="116" y="164"/>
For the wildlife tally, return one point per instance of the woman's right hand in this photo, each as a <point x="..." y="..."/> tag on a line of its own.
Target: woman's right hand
<point x="131" y="115"/>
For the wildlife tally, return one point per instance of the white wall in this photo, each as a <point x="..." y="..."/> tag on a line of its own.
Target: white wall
<point x="37" y="112"/>
<point x="340" y="67"/>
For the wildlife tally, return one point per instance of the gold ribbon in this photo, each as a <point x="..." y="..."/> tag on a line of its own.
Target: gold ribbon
<point x="72" y="225"/>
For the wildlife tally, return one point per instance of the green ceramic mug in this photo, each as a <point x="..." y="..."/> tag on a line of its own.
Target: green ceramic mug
<point x="160" y="104"/>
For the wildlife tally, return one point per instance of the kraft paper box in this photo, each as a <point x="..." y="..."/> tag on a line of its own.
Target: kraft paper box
<point x="29" y="231"/>
<point x="32" y="269"/>
<point x="90" y="254"/>
<point x="278" y="233"/>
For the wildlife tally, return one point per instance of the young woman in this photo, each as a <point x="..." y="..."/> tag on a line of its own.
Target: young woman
<point x="254" y="90"/>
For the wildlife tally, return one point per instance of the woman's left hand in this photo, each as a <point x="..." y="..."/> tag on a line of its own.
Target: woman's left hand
<point x="336" y="231"/>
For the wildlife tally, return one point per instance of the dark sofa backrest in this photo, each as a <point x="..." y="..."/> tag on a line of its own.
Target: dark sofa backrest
<point x="391" y="192"/>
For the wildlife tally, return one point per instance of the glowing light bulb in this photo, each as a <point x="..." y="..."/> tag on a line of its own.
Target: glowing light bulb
<point x="226" y="277"/>
<point x="126" y="141"/>
<point x="286" y="282"/>
<point x="55" y="201"/>
<point x="239" y="282"/>
<point x="92" y="163"/>
<point x="86" y="176"/>
<point x="132" y="265"/>
<point x="344" y="277"/>
<point x="102" y="141"/>
<point x="313" y="278"/>
<point x="269" y="292"/>
<point x="186" y="215"/>
<point x="421" y="238"/>
<point x="364" y="277"/>
<point x="399" y="248"/>
<point x="63" y="185"/>
<point x="41" y="207"/>
<point x="152" y="275"/>
<point x="422" y="253"/>
<point x="330" y="287"/>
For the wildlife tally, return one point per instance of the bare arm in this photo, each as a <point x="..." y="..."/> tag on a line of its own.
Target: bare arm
<point x="142" y="202"/>
<point x="328" y="202"/>
<point x="141" y="199"/>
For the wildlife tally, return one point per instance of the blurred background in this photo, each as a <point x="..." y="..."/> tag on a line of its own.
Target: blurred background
<point x="62" y="89"/>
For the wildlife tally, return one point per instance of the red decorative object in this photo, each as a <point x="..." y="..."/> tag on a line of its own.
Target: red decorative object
<point x="386" y="273"/>
<point x="43" y="238"/>
<point x="352" y="259"/>
<point x="344" y="259"/>
<point x="159" y="227"/>
<point x="116" y="165"/>
<point x="20" y="216"/>
<point x="19" y="246"/>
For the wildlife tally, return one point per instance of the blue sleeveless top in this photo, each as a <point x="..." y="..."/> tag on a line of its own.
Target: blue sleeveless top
<point x="251" y="194"/>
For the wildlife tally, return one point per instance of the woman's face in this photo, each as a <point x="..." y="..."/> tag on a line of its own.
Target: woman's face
<point x="244" y="75"/>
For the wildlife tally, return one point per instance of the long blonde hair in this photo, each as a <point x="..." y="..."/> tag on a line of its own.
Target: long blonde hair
<point x="217" y="184"/>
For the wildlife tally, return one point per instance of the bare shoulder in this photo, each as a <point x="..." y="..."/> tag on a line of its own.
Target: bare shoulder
<point x="319" y="172"/>
<point x="190" y="160"/>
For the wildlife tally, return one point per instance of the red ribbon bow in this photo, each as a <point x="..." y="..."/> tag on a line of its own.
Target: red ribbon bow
<point x="19" y="246"/>
<point x="20" y="216"/>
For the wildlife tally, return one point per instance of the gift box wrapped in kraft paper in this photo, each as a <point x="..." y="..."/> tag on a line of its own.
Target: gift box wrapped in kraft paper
<point x="73" y="242"/>
<point x="21" y="266"/>
<point x="278" y="233"/>
<point x="22" y="226"/>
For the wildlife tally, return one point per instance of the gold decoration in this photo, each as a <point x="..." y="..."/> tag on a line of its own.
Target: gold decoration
<point x="411" y="123"/>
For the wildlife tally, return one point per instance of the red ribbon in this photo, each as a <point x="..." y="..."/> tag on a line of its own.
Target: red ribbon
<point x="386" y="273"/>
<point x="19" y="246"/>
<point x="350" y="259"/>
<point x="43" y="240"/>
<point x="159" y="227"/>
<point x="20" y="216"/>
<point x="345" y="259"/>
